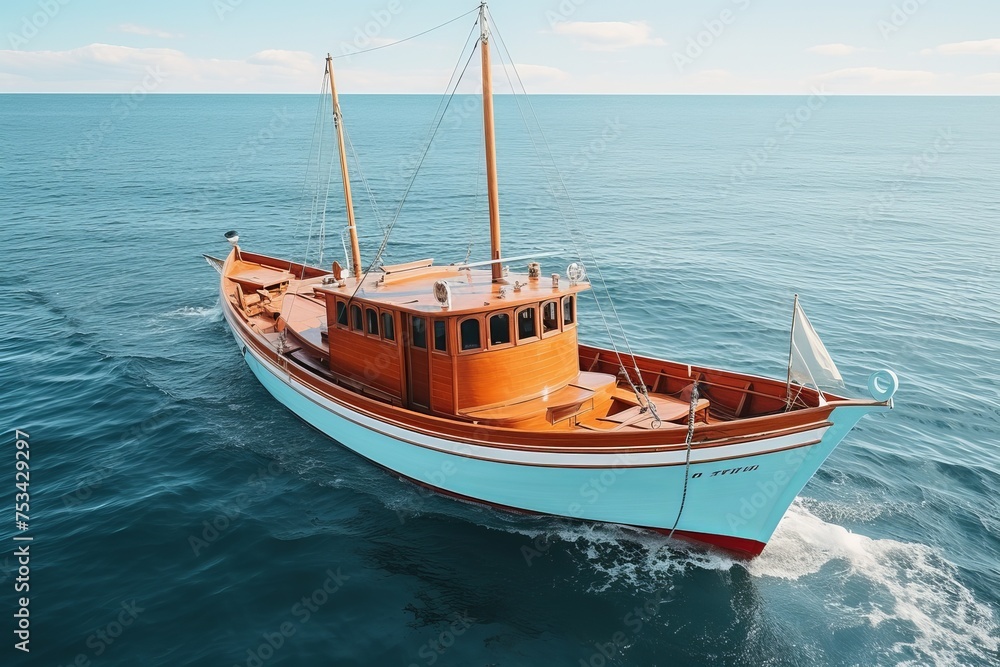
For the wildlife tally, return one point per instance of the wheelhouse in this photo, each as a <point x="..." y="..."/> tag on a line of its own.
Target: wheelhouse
<point x="486" y="343"/>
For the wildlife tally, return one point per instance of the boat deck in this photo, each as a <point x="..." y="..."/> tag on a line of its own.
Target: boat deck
<point x="290" y="314"/>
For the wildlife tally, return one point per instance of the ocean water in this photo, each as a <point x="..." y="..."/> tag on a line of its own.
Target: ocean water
<point x="181" y="516"/>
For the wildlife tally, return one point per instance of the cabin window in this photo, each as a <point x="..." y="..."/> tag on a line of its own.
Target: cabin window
<point x="356" y="323"/>
<point x="388" y="326"/>
<point x="470" y="335"/>
<point x="569" y="303"/>
<point x="440" y="336"/>
<point x="371" y="315"/>
<point x="418" y="338"/>
<point x="550" y="316"/>
<point x="526" y="323"/>
<point x="341" y="313"/>
<point x="500" y="329"/>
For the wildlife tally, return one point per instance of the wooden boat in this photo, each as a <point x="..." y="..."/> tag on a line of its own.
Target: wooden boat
<point x="472" y="381"/>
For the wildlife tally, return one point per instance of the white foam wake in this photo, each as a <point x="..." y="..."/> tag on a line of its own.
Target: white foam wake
<point x="911" y="586"/>
<point x="909" y="589"/>
<point x="211" y="313"/>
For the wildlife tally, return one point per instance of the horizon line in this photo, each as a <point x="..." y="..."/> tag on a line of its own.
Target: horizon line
<point x="798" y="94"/>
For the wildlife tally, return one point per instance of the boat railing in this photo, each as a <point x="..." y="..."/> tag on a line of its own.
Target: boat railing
<point x="601" y="364"/>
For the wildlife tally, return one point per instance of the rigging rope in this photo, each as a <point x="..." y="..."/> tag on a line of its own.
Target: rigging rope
<point x="640" y="388"/>
<point x="687" y="457"/>
<point x="480" y="168"/>
<point x="315" y="148"/>
<point x="371" y="196"/>
<point x="440" y="118"/>
<point x="316" y="211"/>
<point x="386" y="46"/>
<point x="322" y="224"/>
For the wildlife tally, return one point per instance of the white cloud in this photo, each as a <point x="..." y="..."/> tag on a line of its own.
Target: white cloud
<point x="609" y="35"/>
<point x="719" y="81"/>
<point x="986" y="84"/>
<point x="134" y="29"/>
<point x="111" y="68"/>
<point x="984" y="47"/>
<point x="540" y="73"/>
<point x="879" y="81"/>
<point x="835" y="49"/>
<point x="297" y="60"/>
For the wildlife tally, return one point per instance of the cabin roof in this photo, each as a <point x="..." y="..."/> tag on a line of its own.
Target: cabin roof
<point x="472" y="290"/>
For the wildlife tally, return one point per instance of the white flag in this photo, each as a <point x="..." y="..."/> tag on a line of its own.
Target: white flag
<point x="810" y="363"/>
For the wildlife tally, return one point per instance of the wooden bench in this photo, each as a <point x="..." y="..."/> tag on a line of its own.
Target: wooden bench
<point x="261" y="278"/>
<point x="312" y="338"/>
<point x="556" y="406"/>
<point x="668" y="408"/>
<point x="594" y="381"/>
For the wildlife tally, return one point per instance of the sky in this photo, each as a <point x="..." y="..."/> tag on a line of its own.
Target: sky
<point x="857" y="47"/>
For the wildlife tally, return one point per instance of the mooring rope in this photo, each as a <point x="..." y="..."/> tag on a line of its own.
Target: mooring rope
<point x="687" y="458"/>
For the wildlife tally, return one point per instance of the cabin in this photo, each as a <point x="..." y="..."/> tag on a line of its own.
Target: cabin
<point x="451" y="342"/>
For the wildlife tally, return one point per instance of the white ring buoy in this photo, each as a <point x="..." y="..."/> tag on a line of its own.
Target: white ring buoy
<point x="575" y="272"/>
<point x="882" y="385"/>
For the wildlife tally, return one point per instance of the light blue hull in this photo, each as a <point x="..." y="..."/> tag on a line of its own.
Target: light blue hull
<point x="739" y="500"/>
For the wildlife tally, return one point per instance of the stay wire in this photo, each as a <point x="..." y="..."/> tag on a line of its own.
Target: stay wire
<point x="440" y="118"/>
<point x="386" y="46"/>
<point x="315" y="212"/>
<point x="371" y="196"/>
<point x="315" y="148"/>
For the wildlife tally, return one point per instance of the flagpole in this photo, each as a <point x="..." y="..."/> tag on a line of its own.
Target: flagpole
<point x="791" y="345"/>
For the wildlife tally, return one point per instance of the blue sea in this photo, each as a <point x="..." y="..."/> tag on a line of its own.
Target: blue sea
<point x="181" y="516"/>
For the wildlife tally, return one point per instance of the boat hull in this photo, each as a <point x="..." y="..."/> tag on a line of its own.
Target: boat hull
<point x="735" y="494"/>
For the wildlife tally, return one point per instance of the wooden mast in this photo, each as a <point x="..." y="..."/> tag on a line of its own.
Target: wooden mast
<point x="491" y="155"/>
<point x="348" y="201"/>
